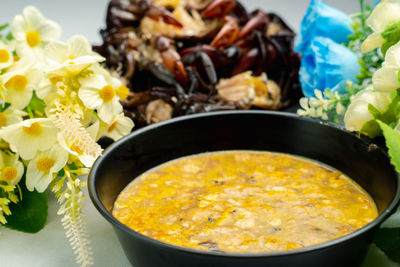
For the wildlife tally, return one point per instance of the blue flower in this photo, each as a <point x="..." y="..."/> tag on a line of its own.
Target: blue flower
<point x="323" y="20"/>
<point x="327" y="64"/>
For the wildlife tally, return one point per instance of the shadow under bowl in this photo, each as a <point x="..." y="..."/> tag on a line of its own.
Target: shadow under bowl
<point x="146" y="148"/>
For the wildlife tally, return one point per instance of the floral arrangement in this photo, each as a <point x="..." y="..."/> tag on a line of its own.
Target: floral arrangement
<point x="350" y="74"/>
<point x="56" y="101"/>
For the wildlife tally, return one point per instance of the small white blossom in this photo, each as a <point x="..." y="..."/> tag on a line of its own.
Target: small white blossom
<point x="44" y="166"/>
<point x="118" y="128"/>
<point x="71" y="57"/>
<point x="30" y="136"/>
<point x="33" y="31"/>
<point x="19" y="82"/>
<point x="11" y="169"/>
<point x="98" y="93"/>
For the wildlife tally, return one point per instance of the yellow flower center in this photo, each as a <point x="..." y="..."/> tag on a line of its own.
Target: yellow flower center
<point x="9" y="173"/>
<point x="32" y="38"/>
<point x="107" y="93"/>
<point x="16" y="58"/>
<point x="76" y="148"/>
<point x="3" y="119"/>
<point x="45" y="164"/>
<point x="55" y="79"/>
<point x="122" y="92"/>
<point x="113" y="126"/>
<point x="4" y="56"/>
<point x="17" y="82"/>
<point x="34" y="129"/>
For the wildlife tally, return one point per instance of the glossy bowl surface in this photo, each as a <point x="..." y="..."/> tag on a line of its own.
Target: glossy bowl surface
<point x="148" y="147"/>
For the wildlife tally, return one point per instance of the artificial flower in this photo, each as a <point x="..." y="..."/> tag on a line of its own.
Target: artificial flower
<point x="385" y="22"/>
<point x="20" y="80"/>
<point x="118" y="128"/>
<point x="98" y="93"/>
<point x="71" y="57"/>
<point x="358" y="113"/>
<point x="11" y="169"/>
<point x="6" y="54"/>
<point x="322" y="20"/>
<point x="326" y="64"/>
<point x="44" y="166"/>
<point x="11" y="116"/>
<point x="33" y="31"/>
<point x="387" y="77"/>
<point x="30" y="136"/>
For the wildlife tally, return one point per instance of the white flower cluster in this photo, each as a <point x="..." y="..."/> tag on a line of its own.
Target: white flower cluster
<point x="385" y="21"/>
<point x="57" y="101"/>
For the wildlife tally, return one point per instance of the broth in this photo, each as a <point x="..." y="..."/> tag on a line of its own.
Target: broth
<point x="244" y="202"/>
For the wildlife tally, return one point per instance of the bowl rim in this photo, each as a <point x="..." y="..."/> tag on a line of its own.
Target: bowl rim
<point x="395" y="202"/>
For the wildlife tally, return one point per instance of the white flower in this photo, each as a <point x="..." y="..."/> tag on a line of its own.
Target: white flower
<point x="387" y="77"/>
<point x="20" y="80"/>
<point x="30" y="136"/>
<point x="6" y="54"/>
<point x="357" y="113"/>
<point x="118" y="128"/>
<point x="11" y="169"/>
<point x="44" y="167"/>
<point x="98" y="93"/>
<point x="33" y="31"/>
<point x="385" y="14"/>
<point x="11" y="116"/>
<point x="71" y="57"/>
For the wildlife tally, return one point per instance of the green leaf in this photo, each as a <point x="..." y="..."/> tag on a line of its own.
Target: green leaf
<point x="30" y="214"/>
<point x="374" y="111"/>
<point x="9" y="36"/>
<point x="388" y="240"/>
<point x="392" y="33"/>
<point x="4" y="106"/>
<point x="2" y="27"/>
<point x="387" y="45"/>
<point x="392" y="139"/>
<point x="36" y="106"/>
<point x="371" y="129"/>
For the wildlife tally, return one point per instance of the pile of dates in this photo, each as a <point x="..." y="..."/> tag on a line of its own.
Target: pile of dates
<point x="182" y="57"/>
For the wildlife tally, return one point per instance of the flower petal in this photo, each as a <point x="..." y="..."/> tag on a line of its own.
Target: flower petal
<point x="108" y="110"/>
<point x="79" y="46"/>
<point x="373" y="41"/>
<point x="90" y="97"/>
<point x="49" y="31"/>
<point x="386" y="79"/>
<point x="33" y="16"/>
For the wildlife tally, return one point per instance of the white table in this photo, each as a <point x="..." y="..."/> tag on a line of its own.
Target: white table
<point x="49" y="247"/>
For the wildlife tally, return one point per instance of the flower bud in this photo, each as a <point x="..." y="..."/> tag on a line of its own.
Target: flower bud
<point x="358" y="114"/>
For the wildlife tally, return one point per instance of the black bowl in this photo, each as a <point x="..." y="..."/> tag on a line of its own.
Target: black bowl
<point x="366" y="163"/>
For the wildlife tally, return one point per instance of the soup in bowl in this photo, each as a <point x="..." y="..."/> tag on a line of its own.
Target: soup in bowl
<point x="238" y="211"/>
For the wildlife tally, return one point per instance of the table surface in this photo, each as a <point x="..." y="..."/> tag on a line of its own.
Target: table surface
<point x="49" y="247"/>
